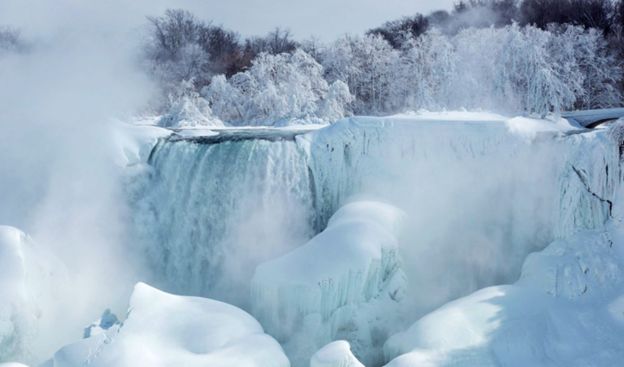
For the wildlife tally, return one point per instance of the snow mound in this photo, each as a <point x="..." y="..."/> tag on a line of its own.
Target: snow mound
<point x="26" y="286"/>
<point x="167" y="330"/>
<point x="342" y="284"/>
<point x="335" y="354"/>
<point x="566" y="310"/>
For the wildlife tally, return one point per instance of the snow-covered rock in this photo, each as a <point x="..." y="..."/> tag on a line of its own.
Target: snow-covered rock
<point x="566" y="310"/>
<point x="27" y="275"/>
<point x="167" y="330"/>
<point x="317" y="291"/>
<point x="335" y="354"/>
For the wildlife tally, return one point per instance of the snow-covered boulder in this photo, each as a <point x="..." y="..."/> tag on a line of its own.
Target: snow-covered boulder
<point x="168" y="330"/>
<point x="335" y="354"/>
<point x="566" y="310"/>
<point x="345" y="283"/>
<point x="26" y="286"/>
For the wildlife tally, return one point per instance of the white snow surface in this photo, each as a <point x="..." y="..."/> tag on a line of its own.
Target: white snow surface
<point x="335" y="354"/>
<point x="168" y="330"/>
<point x="565" y="310"/>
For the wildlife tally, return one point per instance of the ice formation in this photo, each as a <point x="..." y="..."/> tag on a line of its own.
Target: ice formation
<point x="167" y="330"/>
<point x="566" y="310"/>
<point x="335" y="354"/>
<point x="480" y="192"/>
<point x="314" y="294"/>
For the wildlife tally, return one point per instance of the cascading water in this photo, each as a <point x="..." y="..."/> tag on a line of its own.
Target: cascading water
<point x="214" y="210"/>
<point x="478" y="195"/>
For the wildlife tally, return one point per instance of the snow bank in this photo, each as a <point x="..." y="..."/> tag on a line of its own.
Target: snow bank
<point x="28" y="276"/>
<point x="566" y="310"/>
<point x="318" y="290"/>
<point x="335" y="354"/>
<point x="168" y="330"/>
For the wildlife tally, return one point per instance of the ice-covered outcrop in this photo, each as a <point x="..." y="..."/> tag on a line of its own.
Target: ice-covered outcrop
<point x="566" y="310"/>
<point x="335" y="354"/>
<point x="167" y="330"/>
<point x="27" y="285"/>
<point x="317" y="291"/>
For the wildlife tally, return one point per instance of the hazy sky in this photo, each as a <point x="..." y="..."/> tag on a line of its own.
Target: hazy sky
<point x="323" y="18"/>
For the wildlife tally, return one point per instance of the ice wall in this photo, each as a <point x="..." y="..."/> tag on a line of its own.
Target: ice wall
<point x="346" y="282"/>
<point x="480" y="194"/>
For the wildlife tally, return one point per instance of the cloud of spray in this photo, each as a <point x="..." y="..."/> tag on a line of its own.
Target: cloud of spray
<point x="59" y="182"/>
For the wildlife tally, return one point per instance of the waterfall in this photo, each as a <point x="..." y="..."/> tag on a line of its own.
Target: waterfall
<point x="478" y="199"/>
<point x="212" y="211"/>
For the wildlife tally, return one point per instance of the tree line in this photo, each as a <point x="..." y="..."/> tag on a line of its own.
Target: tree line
<point x="510" y="56"/>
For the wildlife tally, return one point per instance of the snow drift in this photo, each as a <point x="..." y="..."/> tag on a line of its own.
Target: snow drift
<point x="566" y="309"/>
<point x="167" y="330"/>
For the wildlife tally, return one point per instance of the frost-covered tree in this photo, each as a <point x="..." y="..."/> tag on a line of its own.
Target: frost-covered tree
<point x="188" y="108"/>
<point x="366" y="64"/>
<point x="601" y="71"/>
<point x="423" y="73"/>
<point x="277" y="87"/>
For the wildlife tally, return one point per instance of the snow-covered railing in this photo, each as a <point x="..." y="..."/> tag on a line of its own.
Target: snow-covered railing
<point x="593" y="118"/>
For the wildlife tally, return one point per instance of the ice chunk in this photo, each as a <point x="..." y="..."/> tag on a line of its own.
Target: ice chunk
<point x="167" y="330"/>
<point x="335" y="354"/>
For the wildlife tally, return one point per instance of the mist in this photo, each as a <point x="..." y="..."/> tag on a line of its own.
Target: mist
<point x="59" y="182"/>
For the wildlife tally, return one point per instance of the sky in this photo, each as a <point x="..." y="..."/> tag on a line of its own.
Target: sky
<point x="324" y="19"/>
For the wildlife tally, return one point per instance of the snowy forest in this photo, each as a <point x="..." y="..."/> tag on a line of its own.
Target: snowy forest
<point x="532" y="56"/>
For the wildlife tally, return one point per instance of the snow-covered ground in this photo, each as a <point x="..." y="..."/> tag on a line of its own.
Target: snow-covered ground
<point x="566" y="309"/>
<point x="167" y="330"/>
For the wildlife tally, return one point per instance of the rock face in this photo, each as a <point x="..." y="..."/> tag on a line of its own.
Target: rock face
<point x="167" y="330"/>
<point x="342" y="283"/>
<point x="335" y="354"/>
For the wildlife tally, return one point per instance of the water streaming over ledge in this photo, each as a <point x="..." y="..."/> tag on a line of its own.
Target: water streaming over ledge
<point x="211" y="209"/>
